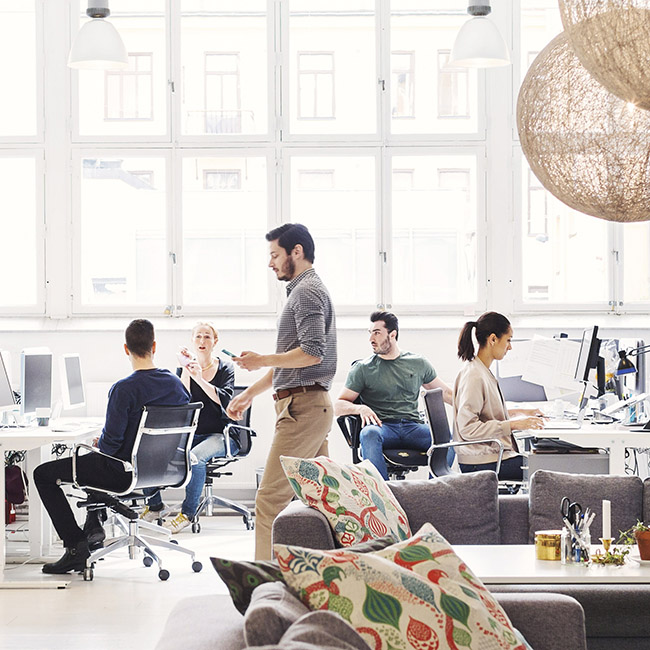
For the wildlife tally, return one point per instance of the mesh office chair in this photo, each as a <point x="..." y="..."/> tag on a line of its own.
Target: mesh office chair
<point x="439" y="425"/>
<point x="242" y="434"/>
<point x="160" y="458"/>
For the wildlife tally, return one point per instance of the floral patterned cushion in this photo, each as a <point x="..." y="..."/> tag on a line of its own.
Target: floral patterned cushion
<point x="354" y="498"/>
<point x="413" y="595"/>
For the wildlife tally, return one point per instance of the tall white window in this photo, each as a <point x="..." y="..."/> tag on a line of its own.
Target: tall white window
<point x="453" y="88"/>
<point x="316" y="85"/>
<point x="224" y="89"/>
<point x="122" y="246"/>
<point x="222" y="93"/>
<point x="225" y="218"/>
<point x="434" y="231"/>
<point x="129" y="93"/>
<point x="402" y="84"/>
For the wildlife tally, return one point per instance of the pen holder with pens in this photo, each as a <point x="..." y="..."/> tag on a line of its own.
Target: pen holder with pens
<point x="575" y="546"/>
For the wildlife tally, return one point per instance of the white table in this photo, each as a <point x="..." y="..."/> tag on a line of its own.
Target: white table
<point x="517" y="564"/>
<point x="32" y="439"/>
<point x="614" y="437"/>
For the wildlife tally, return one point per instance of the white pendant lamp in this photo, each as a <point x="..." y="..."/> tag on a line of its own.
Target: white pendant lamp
<point x="479" y="43"/>
<point x="98" y="45"/>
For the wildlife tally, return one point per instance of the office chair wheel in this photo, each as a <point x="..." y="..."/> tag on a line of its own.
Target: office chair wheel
<point x="89" y="574"/>
<point x="249" y="522"/>
<point x="163" y="574"/>
<point x="147" y="560"/>
<point x="196" y="527"/>
<point x="196" y="566"/>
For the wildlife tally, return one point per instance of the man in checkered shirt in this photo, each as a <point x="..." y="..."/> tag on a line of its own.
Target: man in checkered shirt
<point x="301" y="373"/>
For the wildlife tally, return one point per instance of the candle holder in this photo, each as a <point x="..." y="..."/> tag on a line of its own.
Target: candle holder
<point x="606" y="542"/>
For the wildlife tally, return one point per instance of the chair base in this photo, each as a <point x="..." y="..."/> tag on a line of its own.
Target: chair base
<point x="210" y="500"/>
<point x="134" y="539"/>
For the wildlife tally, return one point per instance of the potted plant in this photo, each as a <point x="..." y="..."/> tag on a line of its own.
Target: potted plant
<point x="639" y="533"/>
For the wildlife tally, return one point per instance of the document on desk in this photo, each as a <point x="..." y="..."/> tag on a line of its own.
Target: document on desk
<point x="552" y="363"/>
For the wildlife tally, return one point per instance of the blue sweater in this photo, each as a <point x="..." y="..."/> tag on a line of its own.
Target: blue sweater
<point x="126" y="398"/>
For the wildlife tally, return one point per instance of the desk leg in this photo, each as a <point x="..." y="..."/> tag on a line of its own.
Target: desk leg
<point x="617" y="457"/>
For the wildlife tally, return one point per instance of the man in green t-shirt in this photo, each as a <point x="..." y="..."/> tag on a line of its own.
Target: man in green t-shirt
<point x="389" y="383"/>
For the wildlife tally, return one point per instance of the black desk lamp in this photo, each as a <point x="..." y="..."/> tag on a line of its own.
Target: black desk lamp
<point x="625" y="365"/>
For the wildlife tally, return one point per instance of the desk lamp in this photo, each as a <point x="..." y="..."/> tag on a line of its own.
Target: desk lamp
<point x="625" y="365"/>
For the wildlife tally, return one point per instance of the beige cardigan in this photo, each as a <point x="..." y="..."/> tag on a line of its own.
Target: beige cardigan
<point x="480" y="412"/>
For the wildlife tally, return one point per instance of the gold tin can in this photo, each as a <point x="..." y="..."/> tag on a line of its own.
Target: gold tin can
<point x="548" y="545"/>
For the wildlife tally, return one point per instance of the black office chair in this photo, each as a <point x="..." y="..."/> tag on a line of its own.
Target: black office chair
<point x="441" y="435"/>
<point x="399" y="462"/>
<point x="160" y="458"/>
<point x="242" y="434"/>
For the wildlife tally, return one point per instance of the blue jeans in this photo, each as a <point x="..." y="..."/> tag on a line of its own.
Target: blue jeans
<point x="205" y="447"/>
<point x="395" y="434"/>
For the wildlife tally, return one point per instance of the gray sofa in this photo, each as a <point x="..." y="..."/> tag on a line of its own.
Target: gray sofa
<point x="215" y="623"/>
<point x="467" y="509"/>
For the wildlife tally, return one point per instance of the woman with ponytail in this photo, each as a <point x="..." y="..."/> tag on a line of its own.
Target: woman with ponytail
<point x="479" y="408"/>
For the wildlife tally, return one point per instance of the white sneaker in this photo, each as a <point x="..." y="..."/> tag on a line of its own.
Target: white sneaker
<point x="152" y="516"/>
<point x="176" y="524"/>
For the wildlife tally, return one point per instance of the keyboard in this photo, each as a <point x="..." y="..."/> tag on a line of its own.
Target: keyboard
<point x="561" y="424"/>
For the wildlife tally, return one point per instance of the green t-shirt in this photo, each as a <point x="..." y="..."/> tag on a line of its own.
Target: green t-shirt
<point x="391" y="387"/>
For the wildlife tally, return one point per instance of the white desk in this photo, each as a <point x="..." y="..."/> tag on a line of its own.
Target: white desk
<point x="32" y="439"/>
<point x="517" y="564"/>
<point x="614" y="437"/>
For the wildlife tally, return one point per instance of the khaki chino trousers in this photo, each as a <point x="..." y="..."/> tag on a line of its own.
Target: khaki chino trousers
<point x="303" y="421"/>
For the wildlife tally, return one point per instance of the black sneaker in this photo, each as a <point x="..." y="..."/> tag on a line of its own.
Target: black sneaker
<point x="74" y="559"/>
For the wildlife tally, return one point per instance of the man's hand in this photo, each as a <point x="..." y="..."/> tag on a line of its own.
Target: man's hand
<point x="249" y="360"/>
<point x="368" y="416"/>
<point x="96" y="442"/>
<point x="238" y="405"/>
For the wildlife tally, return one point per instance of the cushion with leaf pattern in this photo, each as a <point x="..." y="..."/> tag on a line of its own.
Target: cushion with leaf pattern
<point x="414" y="595"/>
<point x="355" y="499"/>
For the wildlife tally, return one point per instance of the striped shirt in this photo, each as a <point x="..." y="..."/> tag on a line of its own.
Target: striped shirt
<point x="308" y="322"/>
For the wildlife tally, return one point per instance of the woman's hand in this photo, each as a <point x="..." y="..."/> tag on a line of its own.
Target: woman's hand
<point x="523" y="424"/>
<point x="194" y="368"/>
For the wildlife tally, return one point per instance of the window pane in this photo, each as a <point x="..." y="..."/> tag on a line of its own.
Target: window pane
<point x="566" y="263"/>
<point x="131" y="102"/>
<point x="341" y="219"/>
<point x="636" y="262"/>
<point x="18" y="262"/>
<point x="434" y="229"/>
<point x="540" y="23"/>
<point x="18" y="68"/>
<point x="123" y="241"/>
<point x="445" y="100"/>
<point x="332" y="69"/>
<point x="224" y="222"/>
<point x="224" y="60"/>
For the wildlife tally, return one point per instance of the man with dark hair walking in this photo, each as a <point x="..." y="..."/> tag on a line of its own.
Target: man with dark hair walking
<point x="389" y="384"/>
<point x="301" y="373"/>
<point x="147" y="385"/>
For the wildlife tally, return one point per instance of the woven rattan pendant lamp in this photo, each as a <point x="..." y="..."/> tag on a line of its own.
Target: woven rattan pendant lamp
<point x="586" y="146"/>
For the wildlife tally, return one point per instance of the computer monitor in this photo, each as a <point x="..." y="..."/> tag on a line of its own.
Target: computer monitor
<point x="7" y="398"/>
<point x="72" y="382"/>
<point x="588" y="356"/>
<point x="35" y="380"/>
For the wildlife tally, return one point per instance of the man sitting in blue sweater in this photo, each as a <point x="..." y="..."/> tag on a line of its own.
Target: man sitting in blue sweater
<point x="147" y="385"/>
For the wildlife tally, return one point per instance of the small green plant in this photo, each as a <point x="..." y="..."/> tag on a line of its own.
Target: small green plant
<point x="627" y="536"/>
<point x="615" y="556"/>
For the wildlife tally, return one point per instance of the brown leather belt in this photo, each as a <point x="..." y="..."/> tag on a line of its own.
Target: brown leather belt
<point x="285" y="392"/>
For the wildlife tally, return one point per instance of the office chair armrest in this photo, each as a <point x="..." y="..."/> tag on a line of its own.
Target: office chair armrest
<point x="463" y="443"/>
<point x="350" y="426"/>
<point x="226" y="435"/>
<point x="128" y="467"/>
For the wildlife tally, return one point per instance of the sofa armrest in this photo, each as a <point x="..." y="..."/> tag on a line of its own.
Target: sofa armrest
<point x="513" y="518"/>
<point x="548" y="621"/>
<point x="300" y="525"/>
